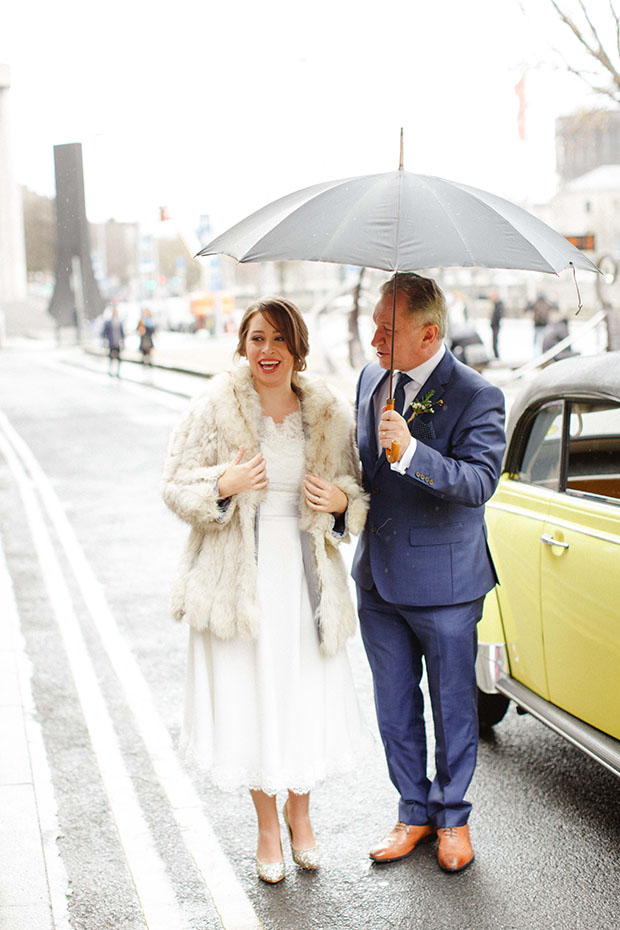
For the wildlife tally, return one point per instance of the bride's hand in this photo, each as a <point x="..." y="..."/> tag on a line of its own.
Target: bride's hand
<point x="324" y="496"/>
<point x="246" y="476"/>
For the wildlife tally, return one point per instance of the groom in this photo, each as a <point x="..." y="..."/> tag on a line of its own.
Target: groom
<point x="422" y="565"/>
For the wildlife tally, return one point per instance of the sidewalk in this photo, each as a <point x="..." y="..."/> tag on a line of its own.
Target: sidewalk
<point x="198" y="354"/>
<point x="26" y="802"/>
<point x="189" y="355"/>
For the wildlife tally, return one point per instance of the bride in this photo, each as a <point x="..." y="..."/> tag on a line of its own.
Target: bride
<point x="264" y="469"/>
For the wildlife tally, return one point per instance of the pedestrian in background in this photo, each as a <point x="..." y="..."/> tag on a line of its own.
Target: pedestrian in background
<point x="114" y="334"/>
<point x="556" y="331"/>
<point x="265" y="469"/>
<point x="496" y="322"/>
<point x="541" y="313"/>
<point x="146" y="331"/>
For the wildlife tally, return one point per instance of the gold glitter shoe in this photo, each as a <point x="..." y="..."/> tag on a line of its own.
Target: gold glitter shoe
<point x="270" y="872"/>
<point x="306" y="858"/>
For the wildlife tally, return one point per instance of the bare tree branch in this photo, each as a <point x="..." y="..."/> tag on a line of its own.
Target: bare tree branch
<point x="600" y="54"/>
<point x="572" y="26"/>
<point x="563" y="63"/>
<point x="590" y="24"/>
<point x="604" y="91"/>
<point x="617" y="22"/>
<point x="595" y="49"/>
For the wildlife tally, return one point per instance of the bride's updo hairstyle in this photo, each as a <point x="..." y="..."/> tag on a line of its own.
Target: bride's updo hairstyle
<point x="287" y="319"/>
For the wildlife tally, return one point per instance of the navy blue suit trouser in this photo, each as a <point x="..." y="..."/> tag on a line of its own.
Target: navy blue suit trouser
<point x="396" y="638"/>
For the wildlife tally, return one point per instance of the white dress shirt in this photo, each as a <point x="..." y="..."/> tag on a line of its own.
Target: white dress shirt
<point x="419" y="376"/>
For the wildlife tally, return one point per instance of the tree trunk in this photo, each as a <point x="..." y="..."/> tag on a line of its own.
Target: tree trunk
<point x="356" y="353"/>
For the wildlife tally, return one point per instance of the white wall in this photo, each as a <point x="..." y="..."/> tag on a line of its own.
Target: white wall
<point x="13" y="279"/>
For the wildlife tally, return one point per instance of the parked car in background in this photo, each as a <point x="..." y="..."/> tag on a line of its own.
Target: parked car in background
<point x="466" y="344"/>
<point x="549" y="639"/>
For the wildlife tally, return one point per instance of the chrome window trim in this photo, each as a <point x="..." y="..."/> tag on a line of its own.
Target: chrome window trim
<point x="585" y="531"/>
<point x="518" y="511"/>
<point x="557" y="521"/>
<point x="591" y="496"/>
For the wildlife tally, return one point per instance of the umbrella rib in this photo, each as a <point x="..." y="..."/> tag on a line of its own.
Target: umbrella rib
<point x="447" y="214"/>
<point x="313" y="191"/>
<point x="256" y="244"/>
<point x="495" y="213"/>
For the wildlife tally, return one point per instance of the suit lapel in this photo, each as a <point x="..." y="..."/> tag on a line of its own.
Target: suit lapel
<point x="366" y="416"/>
<point x="374" y="377"/>
<point x="438" y="378"/>
<point x="435" y="382"/>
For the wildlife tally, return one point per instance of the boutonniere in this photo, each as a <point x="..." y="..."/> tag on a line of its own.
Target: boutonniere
<point x="426" y="405"/>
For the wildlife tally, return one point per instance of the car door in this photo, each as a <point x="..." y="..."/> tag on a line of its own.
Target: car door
<point x="580" y="570"/>
<point x="516" y="517"/>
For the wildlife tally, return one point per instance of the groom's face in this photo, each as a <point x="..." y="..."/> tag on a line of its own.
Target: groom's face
<point x="414" y="340"/>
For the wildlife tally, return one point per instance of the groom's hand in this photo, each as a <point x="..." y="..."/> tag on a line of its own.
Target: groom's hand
<point x="393" y="428"/>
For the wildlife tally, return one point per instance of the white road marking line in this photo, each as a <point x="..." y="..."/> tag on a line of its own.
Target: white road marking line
<point x="148" y="872"/>
<point x="229" y="898"/>
<point x="58" y="883"/>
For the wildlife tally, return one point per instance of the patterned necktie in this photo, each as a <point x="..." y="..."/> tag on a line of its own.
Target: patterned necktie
<point x="399" y="393"/>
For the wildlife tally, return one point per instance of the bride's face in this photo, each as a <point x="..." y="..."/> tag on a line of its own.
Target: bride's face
<point x="271" y="361"/>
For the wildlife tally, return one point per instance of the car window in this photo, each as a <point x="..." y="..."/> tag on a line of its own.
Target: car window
<point x="542" y="456"/>
<point x="594" y="449"/>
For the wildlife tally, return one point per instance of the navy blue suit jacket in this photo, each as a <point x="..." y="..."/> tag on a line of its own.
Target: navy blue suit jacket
<point x="424" y="543"/>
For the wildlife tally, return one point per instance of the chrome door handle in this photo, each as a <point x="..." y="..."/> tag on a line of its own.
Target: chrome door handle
<point x="548" y="540"/>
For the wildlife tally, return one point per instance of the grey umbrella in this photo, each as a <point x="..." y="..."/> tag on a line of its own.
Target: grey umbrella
<point x="399" y="221"/>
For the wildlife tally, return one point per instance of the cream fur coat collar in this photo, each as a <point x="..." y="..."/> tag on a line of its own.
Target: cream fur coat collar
<point x="215" y="587"/>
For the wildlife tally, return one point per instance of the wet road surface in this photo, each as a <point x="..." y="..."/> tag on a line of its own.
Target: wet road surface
<point x="133" y="839"/>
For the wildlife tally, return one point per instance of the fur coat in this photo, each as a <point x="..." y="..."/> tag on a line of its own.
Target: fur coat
<point x="216" y="584"/>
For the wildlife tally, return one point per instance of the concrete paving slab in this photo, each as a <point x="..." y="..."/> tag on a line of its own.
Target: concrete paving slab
<point x="9" y="678"/>
<point x="22" y="876"/>
<point x="24" y="889"/>
<point x="26" y="917"/>
<point x="14" y="760"/>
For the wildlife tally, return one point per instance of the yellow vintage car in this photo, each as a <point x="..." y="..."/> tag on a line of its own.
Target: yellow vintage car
<point x="549" y="639"/>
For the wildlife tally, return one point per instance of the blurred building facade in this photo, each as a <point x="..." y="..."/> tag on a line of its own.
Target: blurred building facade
<point x="586" y="140"/>
<point x="587" y="209"/>
<point x="40" y="234"/>
<point x="12" y="245"/>
<point x="115" y="256"/>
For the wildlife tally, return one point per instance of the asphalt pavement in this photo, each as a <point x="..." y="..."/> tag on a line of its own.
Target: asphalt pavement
<point x="102" y="826"/>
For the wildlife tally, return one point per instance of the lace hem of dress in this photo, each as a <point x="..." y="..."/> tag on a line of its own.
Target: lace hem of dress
<point x="234" y="779"/>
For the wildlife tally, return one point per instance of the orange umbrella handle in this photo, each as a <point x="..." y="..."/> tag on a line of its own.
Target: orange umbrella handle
<point x="393" y="453"/>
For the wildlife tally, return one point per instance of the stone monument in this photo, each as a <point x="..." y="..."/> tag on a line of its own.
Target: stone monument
<point x="76" y="294"/>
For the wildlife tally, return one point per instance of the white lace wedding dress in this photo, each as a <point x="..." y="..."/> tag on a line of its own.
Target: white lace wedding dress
<point x="273" y="713"/>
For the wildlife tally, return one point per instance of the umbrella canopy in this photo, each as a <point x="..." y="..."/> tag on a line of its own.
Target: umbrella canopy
<point x="399" y="221"/>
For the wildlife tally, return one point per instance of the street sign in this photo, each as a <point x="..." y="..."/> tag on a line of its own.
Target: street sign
<point x="585" y="243"/>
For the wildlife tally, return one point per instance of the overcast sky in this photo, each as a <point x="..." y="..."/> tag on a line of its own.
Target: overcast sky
<point x="215" y="106"/>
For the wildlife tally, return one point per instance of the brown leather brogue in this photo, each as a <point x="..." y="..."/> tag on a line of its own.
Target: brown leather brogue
<point x="454" y="850"/>
<point x="401" y="842"/>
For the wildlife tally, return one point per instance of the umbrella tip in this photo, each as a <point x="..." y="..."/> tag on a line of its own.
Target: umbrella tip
<point x="401" y="164"/>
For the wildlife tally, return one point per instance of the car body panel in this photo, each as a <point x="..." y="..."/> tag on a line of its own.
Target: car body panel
<point x="516" y="515"/>
<point x="580" y="593"/>
<point x="490" y="627"/>
<point x="550" y="631"/>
